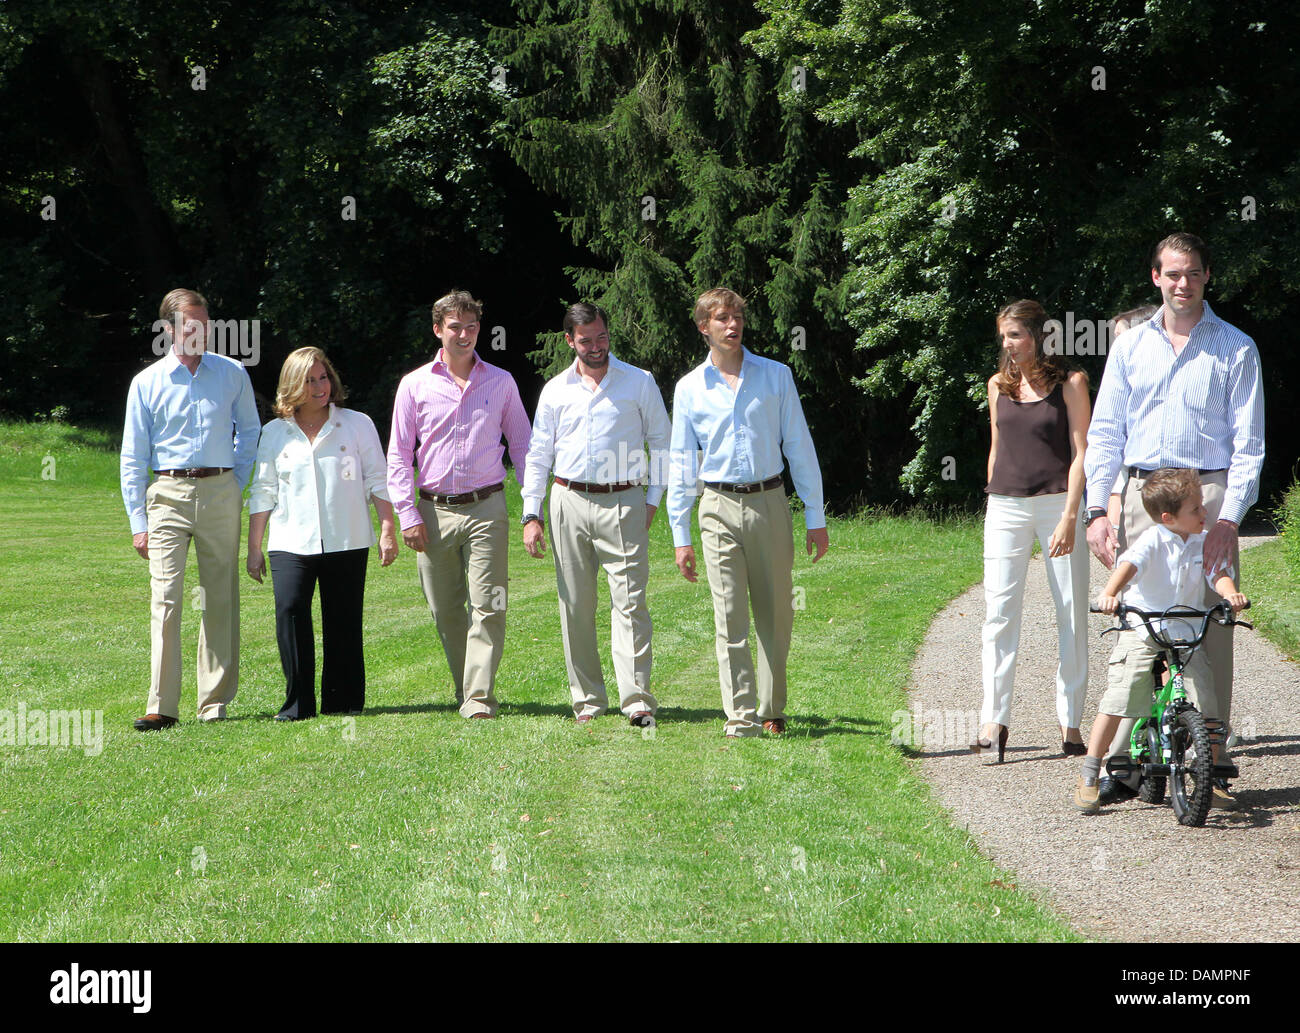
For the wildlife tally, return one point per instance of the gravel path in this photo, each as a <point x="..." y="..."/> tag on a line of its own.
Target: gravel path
<point x="1236" y="879"/>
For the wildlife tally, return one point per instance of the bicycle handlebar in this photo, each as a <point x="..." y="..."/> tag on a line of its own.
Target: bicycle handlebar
<point x="1175" y="613"/>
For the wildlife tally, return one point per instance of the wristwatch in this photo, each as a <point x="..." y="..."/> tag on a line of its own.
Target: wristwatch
<point x="1091" y="514"/>
<point x="529" y="518"/>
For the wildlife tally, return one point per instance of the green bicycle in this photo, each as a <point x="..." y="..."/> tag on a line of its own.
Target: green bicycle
<point x="1174" y="746"/>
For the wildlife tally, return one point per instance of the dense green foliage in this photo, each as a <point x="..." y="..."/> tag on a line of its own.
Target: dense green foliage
<point x="876" y="176"/>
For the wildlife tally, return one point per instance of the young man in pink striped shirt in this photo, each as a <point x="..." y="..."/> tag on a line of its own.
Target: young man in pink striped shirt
<point x="448" y="421"/>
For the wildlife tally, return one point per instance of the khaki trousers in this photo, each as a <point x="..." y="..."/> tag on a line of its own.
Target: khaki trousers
<point x="463" y="571"/>
<point x="1217" y="647"/>
<point x="205" y="509"/>
<point x="748" y="543"/>
<point x="590" y="532"/>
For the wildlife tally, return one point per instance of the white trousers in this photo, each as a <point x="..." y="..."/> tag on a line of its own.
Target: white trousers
<point x="1010" y="526"/>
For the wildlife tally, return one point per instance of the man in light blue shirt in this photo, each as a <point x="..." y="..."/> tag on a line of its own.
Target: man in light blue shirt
<point x="734" y="418"/>
<point x="191" y="418"/>
<point x="1183" y="390"/>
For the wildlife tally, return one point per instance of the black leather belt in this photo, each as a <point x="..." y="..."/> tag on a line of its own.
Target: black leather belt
<point x="194" y="471"/>
<point x="599" y="489"/>
<point x="746" y="489"/>
<point x="1137" y="471"/>
<point x="463" y="499"/>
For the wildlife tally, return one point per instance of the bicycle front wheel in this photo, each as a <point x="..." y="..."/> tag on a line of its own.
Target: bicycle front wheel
<point x="1191" y="766"/>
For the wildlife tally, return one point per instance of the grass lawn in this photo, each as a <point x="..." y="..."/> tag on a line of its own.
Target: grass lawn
<point x="1274" y="592"/>
<point x="410" y="823"/>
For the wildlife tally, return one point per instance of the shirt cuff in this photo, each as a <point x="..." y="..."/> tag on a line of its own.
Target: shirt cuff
<point x="681" y="537"/>
<point x="1232" y="510"/>
<point x="409" y="516"/>
<point x="654" y="495"/>
<point x="139" y="522"/>
<point x="533" y="504"/>
<point x="814" y="519"/>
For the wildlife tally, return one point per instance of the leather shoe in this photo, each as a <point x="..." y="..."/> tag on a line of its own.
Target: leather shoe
<point x="1114" y="790"/>
<point x="481" y="716"/>
<point x="584" y="719"/>
<point x="1085" y="795"/>
<point x="776" y="726"/>
<point x="153" y="722"/>
<point x="642" y="719"/>
<point x="1221" y="796"/>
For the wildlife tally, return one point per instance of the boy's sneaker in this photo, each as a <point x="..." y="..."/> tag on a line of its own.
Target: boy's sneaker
<point x="1085" y="795"/>
<point x="1114" y="790"/>
<point x="1221" y="796"/>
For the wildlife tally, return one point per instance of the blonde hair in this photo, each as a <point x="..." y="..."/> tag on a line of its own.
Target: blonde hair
<point x="292" y="389"/>
<point x="720" y="297"/>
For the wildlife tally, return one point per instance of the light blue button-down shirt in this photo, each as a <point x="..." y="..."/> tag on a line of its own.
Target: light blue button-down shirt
<point x="1200" y="409"/>
<point x="175" y="420"/>
<point x="742" y="435"/>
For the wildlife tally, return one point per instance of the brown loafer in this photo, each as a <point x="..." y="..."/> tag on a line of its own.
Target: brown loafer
<point x="776" y="726"/>
<point x="153" y="722"/>
<point x="481" y="716"/>
<point x="642" y="719"/>
<point x="583" y="719"/>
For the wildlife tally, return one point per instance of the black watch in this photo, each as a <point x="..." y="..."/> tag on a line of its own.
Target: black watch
<point x="528" y="518"/>
<point x="1091" y="514"/>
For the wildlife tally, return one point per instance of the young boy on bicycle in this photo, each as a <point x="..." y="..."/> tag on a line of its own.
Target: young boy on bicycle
<point x="1163" y="568"/>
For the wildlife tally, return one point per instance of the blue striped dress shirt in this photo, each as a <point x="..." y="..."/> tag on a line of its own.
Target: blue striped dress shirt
<point x="742" y="435"/>
<point x="1200" y="409"/>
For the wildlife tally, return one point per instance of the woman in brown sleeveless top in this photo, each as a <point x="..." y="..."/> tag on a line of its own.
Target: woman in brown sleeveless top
<point x="1039" y="413"/>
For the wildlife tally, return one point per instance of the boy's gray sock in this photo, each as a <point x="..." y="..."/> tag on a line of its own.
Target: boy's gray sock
<point x="1091" y="768"/>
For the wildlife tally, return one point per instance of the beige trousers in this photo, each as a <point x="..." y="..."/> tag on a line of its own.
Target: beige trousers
<point x="748" y="543"/>
<point x="1217" y="647"/>
<point x="590" y="532"/>
<point x="463" y="572"/>
<point x="205" y="509"/>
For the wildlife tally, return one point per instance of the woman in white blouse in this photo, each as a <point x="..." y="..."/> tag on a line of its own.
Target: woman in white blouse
<point x="318" y="466"/>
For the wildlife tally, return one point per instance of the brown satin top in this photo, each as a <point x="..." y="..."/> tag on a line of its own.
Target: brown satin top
<point x="1033" y="446"/>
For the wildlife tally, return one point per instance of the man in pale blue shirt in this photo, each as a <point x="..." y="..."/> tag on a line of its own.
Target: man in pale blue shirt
<point x="191" y="418"/>
<point x="1181" y="389"/>
<point x="734" y="417"/>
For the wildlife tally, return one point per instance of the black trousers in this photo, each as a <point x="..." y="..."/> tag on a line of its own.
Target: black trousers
<point x="342" y="577"/>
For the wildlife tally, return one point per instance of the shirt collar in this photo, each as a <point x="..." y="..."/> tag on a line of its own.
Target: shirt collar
<point x="574" y="377"/>
<point x="173" y="361"/>
<point x="710" y="370"/>
<point x="438" y="360"/>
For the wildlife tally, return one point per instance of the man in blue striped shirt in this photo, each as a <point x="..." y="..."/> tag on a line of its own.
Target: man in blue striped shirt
<point x="742" y="413"/>
<point x="1181" y="389"/>
<point x="191" y="418"/>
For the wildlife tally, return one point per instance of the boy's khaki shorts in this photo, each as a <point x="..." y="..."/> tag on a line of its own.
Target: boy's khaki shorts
<point x="1129" y="684"/>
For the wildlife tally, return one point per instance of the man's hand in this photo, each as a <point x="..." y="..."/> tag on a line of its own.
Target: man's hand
<point x="1103" y="541"/>
<point x="685" y="557"/>
<point x="255" y="564"/>
<point x="1219" y="546"/>
<point x="416" y="537"/>
<point x="820" y="540"/>
<point x="141" y="543"/>
<point x="650" y="512"/>
<point x="535" y="539"/>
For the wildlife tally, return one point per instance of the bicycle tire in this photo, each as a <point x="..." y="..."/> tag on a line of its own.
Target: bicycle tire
<point x="1190" y="750"/>
<point x="1152" y="787"/>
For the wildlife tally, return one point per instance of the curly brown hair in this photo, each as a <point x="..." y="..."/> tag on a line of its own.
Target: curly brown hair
<point x="1050" y="369"/>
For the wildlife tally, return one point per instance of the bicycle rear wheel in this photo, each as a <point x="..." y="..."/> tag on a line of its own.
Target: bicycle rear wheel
<point x="1189" y="785"/>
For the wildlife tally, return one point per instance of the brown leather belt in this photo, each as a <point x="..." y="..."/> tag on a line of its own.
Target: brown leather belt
<point x="746" y="489"/>
<point x="194" y="471"/>
<point x="463" y="499"/>
<point x="599" y="489"/>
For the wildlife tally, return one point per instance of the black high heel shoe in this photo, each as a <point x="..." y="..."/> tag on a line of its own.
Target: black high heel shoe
<point x="978" y="745"/>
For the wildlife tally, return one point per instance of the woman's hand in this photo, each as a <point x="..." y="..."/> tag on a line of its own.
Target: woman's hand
<point x="387" y="545"/>
<point x="256" y="564"/>
<point x="1062" y="541"/>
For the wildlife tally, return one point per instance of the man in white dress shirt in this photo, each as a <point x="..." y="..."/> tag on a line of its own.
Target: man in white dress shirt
<point x="734" y="416"/>
<point x="592" y="425"/>
<point x="1181" y="389"/>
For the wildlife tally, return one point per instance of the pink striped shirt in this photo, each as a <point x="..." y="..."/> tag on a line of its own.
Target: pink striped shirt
<point x="453" y="437"/>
